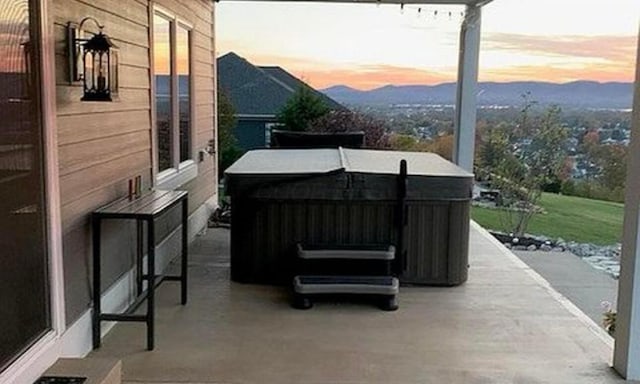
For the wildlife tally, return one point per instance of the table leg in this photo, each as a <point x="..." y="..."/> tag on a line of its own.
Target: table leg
<point x="95" y="230"/>
<point x="185" y="249"/>
<point x="151" y="277"/>
<point x="139" y="255"/>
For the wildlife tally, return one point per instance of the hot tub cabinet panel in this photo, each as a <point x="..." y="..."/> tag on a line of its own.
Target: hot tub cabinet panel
<point x="333" y="202"/>
<point x="437" y="242"/>
<point x="264" y="233"/>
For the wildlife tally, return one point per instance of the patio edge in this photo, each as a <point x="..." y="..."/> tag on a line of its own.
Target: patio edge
<point x="542" y="282"/>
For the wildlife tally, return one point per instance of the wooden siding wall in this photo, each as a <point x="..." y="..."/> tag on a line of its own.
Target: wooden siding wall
<point x="102" y="145"/>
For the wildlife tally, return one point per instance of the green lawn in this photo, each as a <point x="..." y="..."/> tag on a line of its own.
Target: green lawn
<point x="572" y="218"/>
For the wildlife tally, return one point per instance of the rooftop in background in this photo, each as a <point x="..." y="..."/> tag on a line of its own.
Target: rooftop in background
<point x="260" y="91"/>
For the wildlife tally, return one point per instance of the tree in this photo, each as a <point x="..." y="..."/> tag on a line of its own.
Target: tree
<point x="228" y="150"/>
<point x="494" y="147"/>
<point x="612" y="162"/>
<point x="590" y="142"/>
<point x="302" y="108"/>
<point x="375" y="131"/>
<point x="521" y="162"/>
<point x="442" y="145"/>
<point x="402" y="142"/>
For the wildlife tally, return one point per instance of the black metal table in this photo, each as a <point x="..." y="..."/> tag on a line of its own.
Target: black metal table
<point x="146" y="208"/>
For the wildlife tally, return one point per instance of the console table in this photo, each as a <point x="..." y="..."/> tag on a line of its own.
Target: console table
<point x="147" y="208"/>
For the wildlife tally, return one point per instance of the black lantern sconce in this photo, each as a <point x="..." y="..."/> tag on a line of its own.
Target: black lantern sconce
<point x="93" y="61"/>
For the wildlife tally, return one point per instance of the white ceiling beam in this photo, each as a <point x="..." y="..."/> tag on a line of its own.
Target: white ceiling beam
<point x="478" y="3"/>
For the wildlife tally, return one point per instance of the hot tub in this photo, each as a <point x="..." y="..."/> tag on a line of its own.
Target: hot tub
<point x="349" y="197"/>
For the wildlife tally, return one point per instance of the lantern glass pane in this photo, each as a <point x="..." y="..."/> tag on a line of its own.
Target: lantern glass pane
<point x="162" y="70"/>
<point x="102" y="72"/>
<point x="88" y="71"/>
<point x="184" y="89"/>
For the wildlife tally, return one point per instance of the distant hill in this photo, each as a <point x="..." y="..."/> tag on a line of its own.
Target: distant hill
<point x="578" y="94"/>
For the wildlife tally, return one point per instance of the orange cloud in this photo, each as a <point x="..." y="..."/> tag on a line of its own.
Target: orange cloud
<point x="612" y="48"/>
<point x="374" y="76"/>
<point x="323" y="75"/>
<point x="597" y="58"/>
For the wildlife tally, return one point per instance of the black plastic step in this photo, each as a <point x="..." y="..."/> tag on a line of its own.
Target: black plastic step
<point x="365" y="285"/>
<point x="347" y="252"/>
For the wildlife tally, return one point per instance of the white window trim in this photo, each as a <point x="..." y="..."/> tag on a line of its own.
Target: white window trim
<point x="44" y="352"/>
<point x="173" y="178"/>
<point x="187" y="170"/>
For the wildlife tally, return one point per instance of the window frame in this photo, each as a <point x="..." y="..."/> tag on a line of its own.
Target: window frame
<point x="185" y="171"/>
<point x="36" y="358"/>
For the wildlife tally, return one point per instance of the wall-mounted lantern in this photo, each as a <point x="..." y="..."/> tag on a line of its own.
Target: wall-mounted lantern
<point x="92" y="61"/>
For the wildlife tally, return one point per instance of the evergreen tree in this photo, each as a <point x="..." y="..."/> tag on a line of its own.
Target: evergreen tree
<point x="228" y="150"/>
<point x="301" y="109"/>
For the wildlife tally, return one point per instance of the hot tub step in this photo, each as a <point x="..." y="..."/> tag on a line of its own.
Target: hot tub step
<point x="307" y="286"/>
<point x="355" y="252"/>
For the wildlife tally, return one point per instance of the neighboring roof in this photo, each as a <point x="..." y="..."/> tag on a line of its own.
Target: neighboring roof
<point x="259" y="90"/>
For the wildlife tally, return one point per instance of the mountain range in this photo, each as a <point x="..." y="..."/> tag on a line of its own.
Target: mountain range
<point x="577" y="94"/>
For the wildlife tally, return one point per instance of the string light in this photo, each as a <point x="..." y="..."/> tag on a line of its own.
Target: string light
<point x="435" y="13"/>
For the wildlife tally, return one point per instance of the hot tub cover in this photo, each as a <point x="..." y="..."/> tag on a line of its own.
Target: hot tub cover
<point x="338" y="174"/>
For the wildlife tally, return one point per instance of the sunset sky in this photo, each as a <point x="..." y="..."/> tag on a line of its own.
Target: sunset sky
<point x="367" y="46"/>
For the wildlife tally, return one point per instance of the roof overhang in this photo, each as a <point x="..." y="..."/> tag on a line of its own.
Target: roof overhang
<point x="476" y="3"/>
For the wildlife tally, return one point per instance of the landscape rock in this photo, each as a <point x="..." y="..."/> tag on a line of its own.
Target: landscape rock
<point x="605" y="258"/>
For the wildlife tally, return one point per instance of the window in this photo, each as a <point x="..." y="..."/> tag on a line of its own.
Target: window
<point x="173" y="101"/>
<point x="184" y="88"/>
<point x="25" y="290"/>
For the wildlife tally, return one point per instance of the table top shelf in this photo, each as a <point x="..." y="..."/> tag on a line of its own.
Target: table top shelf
<point x="149" y="205"/>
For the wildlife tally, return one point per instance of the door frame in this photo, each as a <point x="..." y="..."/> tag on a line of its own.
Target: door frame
<point x="43" y="353"/>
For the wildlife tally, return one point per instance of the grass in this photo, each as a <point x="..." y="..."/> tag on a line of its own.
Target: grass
<point x="572" y="218"/>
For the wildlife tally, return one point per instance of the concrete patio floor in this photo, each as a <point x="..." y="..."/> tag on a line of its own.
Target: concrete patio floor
<point x="505" y="325"/>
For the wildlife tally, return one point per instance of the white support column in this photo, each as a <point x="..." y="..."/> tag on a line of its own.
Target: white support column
<point x="465" y="118"/>
<point x="626" y="357"/>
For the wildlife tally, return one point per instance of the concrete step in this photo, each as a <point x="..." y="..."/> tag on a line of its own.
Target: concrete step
<point x="359" y="252"/>
<point x="96" y="370"/>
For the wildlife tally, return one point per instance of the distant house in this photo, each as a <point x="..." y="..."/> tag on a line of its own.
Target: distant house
<point x="258" y="94"/>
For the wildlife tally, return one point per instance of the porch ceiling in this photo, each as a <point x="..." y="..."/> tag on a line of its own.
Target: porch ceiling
<point x="478" y="3"/>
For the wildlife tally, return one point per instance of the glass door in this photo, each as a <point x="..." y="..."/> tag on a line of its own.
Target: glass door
<point x="24" y="283"/>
